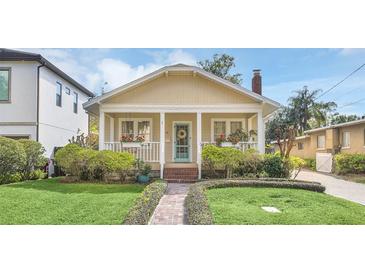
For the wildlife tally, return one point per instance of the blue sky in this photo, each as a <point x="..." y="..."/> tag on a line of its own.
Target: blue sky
<point x="283" y="70"/>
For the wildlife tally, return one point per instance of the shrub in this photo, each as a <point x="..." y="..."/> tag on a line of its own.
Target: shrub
<point x="143" y="209"/>
<point x="350" y="163"/>
<point x="12" y="159"/>
<point x="296" y="164"/>
<point x="36" y="175"/>
<point x="250" y="164"/>
<point x="310" y="163"/>
<point x="107" y="161"/>
<point x="67" y="159"/>
<point x="275" y="166"/>
<point x="10" y="178"/>
<point x="34" y="157"/>
<point x="226" y="158"/>
<point x="196" y="202"/>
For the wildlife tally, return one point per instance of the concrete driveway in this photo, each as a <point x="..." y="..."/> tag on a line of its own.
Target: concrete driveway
<point x="337" y="187"/>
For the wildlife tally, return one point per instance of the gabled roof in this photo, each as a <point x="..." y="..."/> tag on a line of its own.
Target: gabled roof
<point x="16" y="55"/>
<point x="351" y="123"/>
<point x="181" y="67"/>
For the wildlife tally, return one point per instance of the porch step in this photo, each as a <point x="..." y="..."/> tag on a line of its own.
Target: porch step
<point x="185" y="174"/>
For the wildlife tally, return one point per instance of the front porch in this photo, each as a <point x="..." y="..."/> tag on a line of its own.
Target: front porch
<point x="175" y="138"/>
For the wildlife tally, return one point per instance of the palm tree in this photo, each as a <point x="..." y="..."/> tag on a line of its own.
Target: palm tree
<point x="306" y="108"/>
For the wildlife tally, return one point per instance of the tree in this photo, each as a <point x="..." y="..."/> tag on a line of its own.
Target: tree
<point x="283" y="129"/>
<point x="220" y="65"/>
<point x="306" y="109"/>
<point x="343" y="118"/>
<point x="34" y="152"/>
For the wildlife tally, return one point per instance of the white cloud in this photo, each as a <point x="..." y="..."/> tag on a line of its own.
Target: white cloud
<point x="351" y="51"/>
<point x="91" y="68"/>
<point x="117" y="72"/>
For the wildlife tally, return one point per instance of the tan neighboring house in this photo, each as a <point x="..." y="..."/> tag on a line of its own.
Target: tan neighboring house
<point x="177" y="110"/>
<point x="345" y="137"/>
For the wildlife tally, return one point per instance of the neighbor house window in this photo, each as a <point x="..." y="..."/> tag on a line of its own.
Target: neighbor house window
<point x="75" y="103"/>
<point x="4" y="84"/>
<point x="59" y="94"/>
<point x="137" y="127"/>
<point x="345" y="139"/>
<point x="300" y="146"/>
<point x="224" y="127"/>
<point x="321" y="141"/>
<point x="68" y="91"/>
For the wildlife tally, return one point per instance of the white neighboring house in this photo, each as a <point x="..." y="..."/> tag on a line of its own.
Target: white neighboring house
<point x="38" y="101"/>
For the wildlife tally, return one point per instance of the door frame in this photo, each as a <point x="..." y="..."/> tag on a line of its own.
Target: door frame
<point x="190" y="140"/>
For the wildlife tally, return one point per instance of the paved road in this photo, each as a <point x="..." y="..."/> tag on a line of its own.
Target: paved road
<point x="170" y="210"/>
<point x="337" y="187"/>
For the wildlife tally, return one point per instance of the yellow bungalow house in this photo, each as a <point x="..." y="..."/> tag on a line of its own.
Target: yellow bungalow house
<point x="174" y="112"/>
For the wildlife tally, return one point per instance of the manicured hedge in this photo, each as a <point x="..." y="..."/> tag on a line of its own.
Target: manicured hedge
<point x="142" y="211"/>
<point x="196" y="202"/>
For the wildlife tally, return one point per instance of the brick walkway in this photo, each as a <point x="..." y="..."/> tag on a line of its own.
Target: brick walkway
<point x="170" y="210"/>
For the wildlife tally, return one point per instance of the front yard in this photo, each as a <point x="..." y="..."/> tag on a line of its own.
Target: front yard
<point x="242" y="205"/>
<point x="51" y="202"/>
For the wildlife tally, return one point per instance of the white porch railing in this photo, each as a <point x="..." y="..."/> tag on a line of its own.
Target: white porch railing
<point x="148" y="151"/>
<point x="243" y="146"/>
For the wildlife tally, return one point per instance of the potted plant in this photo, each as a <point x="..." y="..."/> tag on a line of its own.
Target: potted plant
<point x="221" y="141"/>
<point x="129" y="141"/>
<point x="143" y="172"/>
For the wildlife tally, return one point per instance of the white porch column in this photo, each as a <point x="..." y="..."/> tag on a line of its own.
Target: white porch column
<point x="101" y="129"/>
<point x="260" y="133"/>
<point x="162" y="143"/>
<point x="199" y="142"/>
<point x="111" y="137"/>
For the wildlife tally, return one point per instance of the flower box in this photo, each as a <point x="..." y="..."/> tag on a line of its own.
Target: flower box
<point x="131" y="144"/>
<point x="226" y="144"/>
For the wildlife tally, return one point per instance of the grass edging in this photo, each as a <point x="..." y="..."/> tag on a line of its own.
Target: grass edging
<point x="145" y="205"/>
<point x="196" y="202"/>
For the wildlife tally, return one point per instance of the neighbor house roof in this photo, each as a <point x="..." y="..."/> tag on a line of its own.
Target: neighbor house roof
<point x="16" y="55"/>
<point x="181" y="67"/>
<point x="352" y="123"/>
<point x="296" y="139"/>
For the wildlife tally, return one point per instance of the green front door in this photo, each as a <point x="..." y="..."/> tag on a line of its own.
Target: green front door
<point x="182" y="142"/>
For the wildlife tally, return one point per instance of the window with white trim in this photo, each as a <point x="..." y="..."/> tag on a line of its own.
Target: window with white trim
<point x="345" y="139"/>
<point x="4" y="84"/>
<point x="75" y="102"/>
<point x="224" y="127"/>
<point x="136" y="127"/>
<point x="59" y="94"/>
<point x="321" y="141"/>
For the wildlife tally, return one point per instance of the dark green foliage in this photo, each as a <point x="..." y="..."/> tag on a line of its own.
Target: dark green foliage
<point x="143" y="209"/>
<point x="221" y="66"/>
<point x="350" y="163"/>
<point x="343" y="118"/>
<point x="310" y="164"/>
<point x="12" y="159"/>
<point x="277" y="167"/>
<point x="251" y="164"/>
<point x="34" y="152"/>
<point x="196" y="202"/>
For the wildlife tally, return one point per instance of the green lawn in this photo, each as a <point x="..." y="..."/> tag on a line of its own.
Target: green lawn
<point x="243" y="206"/>
<point x="51" y="202"/>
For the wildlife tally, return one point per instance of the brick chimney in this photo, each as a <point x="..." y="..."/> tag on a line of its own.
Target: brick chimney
<point x="256" y="81"/>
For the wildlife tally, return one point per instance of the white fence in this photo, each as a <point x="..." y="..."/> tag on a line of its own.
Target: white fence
<point x="148" y="151"/>
<point x="324" y="162"/>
